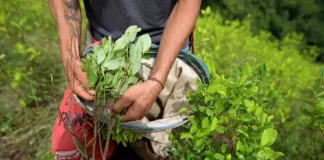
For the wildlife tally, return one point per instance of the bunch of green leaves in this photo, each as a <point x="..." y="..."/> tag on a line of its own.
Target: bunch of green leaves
<point x="226" y="121"/>
<point x="287" y="86"/>
<point x="112" y="68"/>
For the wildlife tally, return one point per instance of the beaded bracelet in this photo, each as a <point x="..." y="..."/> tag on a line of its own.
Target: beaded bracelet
<point x="156" y="80"/>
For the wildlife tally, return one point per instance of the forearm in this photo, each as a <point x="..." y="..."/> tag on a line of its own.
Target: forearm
<point x="177" y="30"/>
<point x="67" y="15"/>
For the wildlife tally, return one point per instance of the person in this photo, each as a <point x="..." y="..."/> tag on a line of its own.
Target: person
<point x="169" y="24"/>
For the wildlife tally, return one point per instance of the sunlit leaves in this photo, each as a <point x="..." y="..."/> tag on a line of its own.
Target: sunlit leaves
<point x="227" y="108"/>
<point x="144" y="42"/>
<point x="268" y="137"/>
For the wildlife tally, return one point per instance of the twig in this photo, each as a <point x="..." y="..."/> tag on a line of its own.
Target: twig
<point x="64" y="122"/>
<point x="112" y="118"/>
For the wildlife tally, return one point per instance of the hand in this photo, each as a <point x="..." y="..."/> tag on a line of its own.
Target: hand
<point x="138" y="99"/>
<point x="77" y="79"/>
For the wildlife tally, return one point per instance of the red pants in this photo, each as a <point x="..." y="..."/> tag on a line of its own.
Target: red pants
<point x="63" y="146"/>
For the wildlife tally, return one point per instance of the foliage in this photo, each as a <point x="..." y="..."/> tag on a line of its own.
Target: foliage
<point x="227" y="121"/>
<point x="280" y="17"/>
<point x="288" y="86"/>
<point x="27" y="43"/>
<point x="25" y="132"/>
<point x="289" y="90"/>
<point x="112" y="68"/>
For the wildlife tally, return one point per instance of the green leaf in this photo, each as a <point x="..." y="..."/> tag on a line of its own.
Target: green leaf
<point x="246" y="117"/>
<point x="222" y="91"/>
<point x="246" y="69"/>
<point x="320" y="95"/>
<point x="213" y="87"/>
<point x="84" y="68"/>
<point x="130" y="33"/>
<point x="214" y="124"/>
<point x="224" y="148"/>
<point x="205" y="122"/>
<point x="202" y="108"/>
<point x="132" y="80"/>
<point x="268" y="153"/>
<point x="135" y="59"/>
<point x="145" y="42"/>
<point x="194" y="128"/>
<point x="206" y="12"/>
<point x="255" y="128"/>
<point x="183" y="110"/>
<point x="220" y="129"/>
<point x="249" y="105"/>
<point x="100" y="56"/>
<point x="119" y="138"/>
<point x="2" y="56"/>
<point x="92" y="78"/>
<point x="186" y="135"/>
<point x="242" y="80"/>
<point x="209" y="112"/>
<point x="208" y="98"/>
<point x="112" y="64"/>
<point x="191" y="118"/>
<point x="120" y="44"/>
<point x="82" y="149"/>
<point x="104" y="41"/>
<point x="124" y="143"/>
<point x="219" y="156"/>
<point x="203" y="133"/>
<point x="276" y="155"/>
<point x="208" y="153"/>
<point x="110" y="53"/>
<point x="200" y="142"/>
<point x="244" y="133"/>
<point x="268" y="137"/>
<point x="254" y="89"/>
<point x="228" y="157"/>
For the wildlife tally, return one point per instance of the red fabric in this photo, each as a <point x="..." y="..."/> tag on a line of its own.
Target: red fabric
<point x="74" y="116"/>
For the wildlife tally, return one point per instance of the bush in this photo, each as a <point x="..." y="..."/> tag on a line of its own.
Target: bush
<point x="280" y="17"/>
<point x="29" y="52"/>
<point x="289" y="82"/>
<point x="227" y="121"/>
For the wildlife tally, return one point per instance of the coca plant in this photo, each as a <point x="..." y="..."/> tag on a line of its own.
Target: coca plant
<point x="226" y="121"/>
<point x="111" y="69"/>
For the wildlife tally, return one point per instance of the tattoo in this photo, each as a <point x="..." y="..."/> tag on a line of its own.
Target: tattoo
<point x="72" y="15"/>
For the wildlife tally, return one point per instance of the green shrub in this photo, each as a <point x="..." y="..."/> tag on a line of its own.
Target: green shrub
<point x="280" y="17"/>
<point x="227" y="121"/>
<point x="288" y="85"/>
<point x="29" y="52"/>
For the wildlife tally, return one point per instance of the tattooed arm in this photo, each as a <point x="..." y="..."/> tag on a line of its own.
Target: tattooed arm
<point x="67" y="14"/>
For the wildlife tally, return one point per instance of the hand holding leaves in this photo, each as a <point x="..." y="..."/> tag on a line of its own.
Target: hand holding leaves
<point x="77" y="79"/>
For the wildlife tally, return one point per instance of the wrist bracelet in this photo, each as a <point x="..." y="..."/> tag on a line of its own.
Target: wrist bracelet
<point x="156" y="80"/>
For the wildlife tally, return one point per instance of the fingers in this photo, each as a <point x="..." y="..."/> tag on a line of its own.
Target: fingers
<point x="135" y="112"/>
<point x="122" y="104"/>
<point x="81" y="91"/>
<point x="132" y="114"/>
<point x="80" y="84"/>
<point x="80" y="75"/>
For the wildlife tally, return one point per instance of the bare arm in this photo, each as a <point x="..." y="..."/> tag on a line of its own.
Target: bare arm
<point x="178" y="28"/>
<point x="67" y="14"/>
<point x="140" y="97"/>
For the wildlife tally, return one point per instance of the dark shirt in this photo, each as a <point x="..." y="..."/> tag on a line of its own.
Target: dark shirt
<point x="113" y="17"/>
